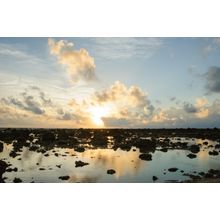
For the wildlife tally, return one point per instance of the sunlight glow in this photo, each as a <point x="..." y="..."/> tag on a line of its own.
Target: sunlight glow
<point x="97" y="112"/>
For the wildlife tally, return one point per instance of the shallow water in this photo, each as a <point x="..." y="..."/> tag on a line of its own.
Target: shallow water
<point x="37" y="167"/>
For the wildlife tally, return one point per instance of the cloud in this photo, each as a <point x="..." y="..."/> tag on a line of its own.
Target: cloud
<point x="213" y="79"/>
<point x="172" y="98"/>
<point x="213" y="46"/>
<point x="189" y="108"/>
<point x="78" y="63"/>
<point x="127" y="101"/>
<point x="27" y="103"/>
<point x="125" y="48"/>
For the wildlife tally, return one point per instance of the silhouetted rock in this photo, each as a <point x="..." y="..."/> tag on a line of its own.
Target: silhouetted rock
<point x="201" y="173"/>
<point x="79" y="149"/>
<point x="64" y="177"/>
<point x="147" y="157"/>
<point x="191" y="156"/>
<point x="12" y="169"/>
<point x="59" y="166"/>
<point x="3" y="167"/>
<point x="13" y="154"/>
<point x="194" y="149"/>
<point x="48" y="137"/>
<point x="17" y="180"/>
<point x="164" y="149"/>
<point x="213" y="153"/>
<point x="173" y="169"/>
<point x="154" y="178"/>
<point x="217" y="146"/>
<point x="80" y="163"/>
<point x="1" y="146"/>
<point x="111" y="171"/>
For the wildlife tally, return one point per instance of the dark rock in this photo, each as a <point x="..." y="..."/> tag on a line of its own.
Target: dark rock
<point x="154" y="178"/>
<point x="147" y="157"/>
<point x="182" y="171"/>
<point x="17" y="180"/>
<point x="56" y="154"/>
<point x="213" y="153"/>
<point x="48" y="137"/>
<point x="59" y="166"/>
<point x="191" y="156"/>
<point x="12" y="169"/>
<point x="1" y="146"/>
<point x="201" y="173"/>
<point x="194" y="149"/>
<point x="46" y="155"/>
<point x="111" y="171"/>
<point x="205" y="143"/>
<point x="13" y="154"/>
<point x="3" y="167"/>
<point x="80" y="163"/>
<point x="64" y="177"/>
<point x="164" y="149"/>
<point x="41" y="168"/>
<point x="79" y="149"/>
<point x="173" y="169"/>
<point x="217" y="146"/>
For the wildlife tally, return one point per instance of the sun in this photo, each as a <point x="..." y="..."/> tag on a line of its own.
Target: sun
<point x="97" y="112"/>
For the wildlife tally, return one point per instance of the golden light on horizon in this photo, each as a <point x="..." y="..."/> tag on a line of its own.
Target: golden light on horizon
<point x="97" y="112"/>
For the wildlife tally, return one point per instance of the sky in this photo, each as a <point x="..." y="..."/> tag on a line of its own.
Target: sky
<point x="110" y="82"/>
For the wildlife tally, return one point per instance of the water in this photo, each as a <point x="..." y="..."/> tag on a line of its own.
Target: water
<point x="36" y="167"/>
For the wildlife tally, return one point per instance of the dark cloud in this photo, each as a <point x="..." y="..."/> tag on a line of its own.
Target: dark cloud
<point x="27" y="104"/>
<point x="189" y="108"/>
<point x="173" y="98"/>
<point x="213" y="79"/>
<point x="33" y="103"/>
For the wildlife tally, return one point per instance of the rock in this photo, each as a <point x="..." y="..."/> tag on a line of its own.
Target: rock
<point x="182" y="171"/>
<point x="194" y="149"/>
<point x="17" y="180"/>
<point x="164" y="150"/>
<point x="1" y="146"/>
<point x="191" y="156"/>
<point x="12" y="170"/>
<point x="79" y="149"/>
<point x="173" y="169"/>
<point x="213" y="153"/>
<point x="59" y="166"/>
<point x="3" y="166"/>
<point x="48" y="137"/>
<point x="41" y="168"/>
<point x="217" y="146"/>
<point x="201" y="173"/>
<point x="111" y="171"/>
<point x="46" y="155"/>
<point x="205" y="143"/>
<point x="80" y="163"/>
<point x="147" y="157"/>
<point x="154" y="178"/>
<point x="13" y="154"/>
<point x="64" y="177"/>
<point x="56" y="154"/>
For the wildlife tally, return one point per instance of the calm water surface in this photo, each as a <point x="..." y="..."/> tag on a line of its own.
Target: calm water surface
<point x="37" y="167"/>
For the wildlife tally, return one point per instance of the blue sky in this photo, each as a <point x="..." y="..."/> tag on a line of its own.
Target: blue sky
<point x="160" y="79"/>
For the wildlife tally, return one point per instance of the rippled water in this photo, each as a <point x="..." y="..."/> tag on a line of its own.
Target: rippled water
<point x="37" y="167"/>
